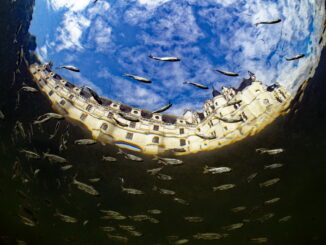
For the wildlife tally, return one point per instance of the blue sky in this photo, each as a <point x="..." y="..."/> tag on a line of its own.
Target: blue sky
<point x="110" y="38"/>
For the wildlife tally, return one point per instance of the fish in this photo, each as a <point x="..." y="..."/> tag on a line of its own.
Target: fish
<point x="271" y="201"/>
<point x="137" y="78"/>
<point x="139" y="217"/>
<point x="230" y="120"/>
<point x="259" y="240"/>
<point x="223" y="187"/>
<point x="265" y="217"/>
<point x="269" y="182"/>
<point x="85" y="142"/>
<point x="54" y="158"/>
<point x="109" y="159"/>
<point x="130" y="190"/>
<point x="47" y="116"/>
<point x="17" y="33"/>
<point x="227" y="73"/>
<point x="164" y="108"/>
<point x="120" y="123"/>
<point x="135" y="233"/>
<point x="21" y="242"/>
<point x="233" y="227"/>
<point x="117" y="238"/>
<point x="196" y="85"/>
<point x="194" y="219"/>
<point x="273" y="166"/>
<point x="107" y="228"/>
<point x="127" y="227"/>
<point x="208" y="236"/>
<point x="94" y="180"/>
<point x="251" y="177"/>
<point x="163" y="176"/>
<point x="238" y="209"/>
<point x="84" y="187"/>
<point x="96" y="97"/>
<point x="168" y="59"/>
<point x="206" y="136"/>
<point x="154" y="171"/>
<point x="28" y="89"/>
<point x="268" y="22"/>
<point x="285" y="219"/>
<point x="168" y="161"/>
<point x="36" y="172"/>
<point x="27" y="221"/>
<point x="216" y="170"/>
<point x="129" y="117"/>
<point x="65" y="168"/>
<point x="2" y="116"/>
<point x="130" y="156"/>
<point x="30" y="154"/>
<point x="299" y="56"/>
<point x="69" y="67"/>
<point x="154" y="211"/>
<point x="65" y="218"/>
<point x="56" y="129"/>
<point x="19" y="128"/>
<point x="270" y="151"/>
<point x="110" y="214"/>
<point x="164" y="191"/>
<point x="181" y="201"/>
<point x="181" y="241"/>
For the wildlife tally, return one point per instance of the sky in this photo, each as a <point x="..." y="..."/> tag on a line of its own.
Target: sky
<point x="111" y="37"/>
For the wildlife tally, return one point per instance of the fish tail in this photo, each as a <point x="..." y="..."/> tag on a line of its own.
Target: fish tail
<point x="125" y="74"/>
<point x="120" y="152"/>
<point x="205" y="169"/>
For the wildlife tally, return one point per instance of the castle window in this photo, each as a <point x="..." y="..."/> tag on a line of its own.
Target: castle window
<point x="182" y="142"/>
<point x="132" y="125"/>
<point x="226" y="128"/>
<point x="62" y="102"/>
<point x="155" y="139"/>
<point x="182" y="130"/>
<point x="56" y="87"/>
<point x="216" y="103"/>
<point x="115" y="105"/>
<point x="181" y="121"/>
<point x="136" y="112"/>
<point x="89" y="107"/>
<point x="157" y="117"/>
<point x="110" y="115"/>
<point x="257" y="91"/>
<point x="83" y="116"/>
<point x="156" y="128"/>
<point x="104" y="126"/>
<point x="71" y="96"/>
<point x="129" y="136"/>
<point x="50" y="93"/>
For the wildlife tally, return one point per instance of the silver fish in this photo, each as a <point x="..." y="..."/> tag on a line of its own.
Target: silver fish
<point x="269" y="182"/>
<point x="109" y="159"/>
<point x="163" y="176"/>
<point x="271" y="201"/>
<point x="20" y="128"/>
<point x="69" y="67"/>
<point x="168" y="59"/>
<point x="181" y="201"/>
<point x="265" y="217"/>
<point x="154" y="211"/>
<point x="47" y="116"/>
<point x="30" y="154"/>
<point x="139" y="217"/>
<point x="216" y="170"/>
<point x="85" y="142"/>
<point x="230" y="120"/>
<point x="233" y="227"/>
<point x="270" y="151"/>
<point x="140" y="79"/>
<point x="223" y="187"/>
<point x="194" y="219"/>
<point x="135" y="233"/>
<point x="129" y="156"/>
<point x="2" y="116"/>
<point x="54" y="158"/>
<point x="251" y="177"/>
<point x="107" y="228"/>
<point x="27" y="221"/>
<point x="238" y="209"/>
<point x="130" y="190"/>
<point x="85" y="222"/>
<point x="168" y="161"/>
<point x="295" y="57"/>
<point x="86" y="188"/>
<point x="164" y="191"/>
<point x="127" y="227"/>
<point x="259" y="240"/>
<point x="66" y="218"/>
<point x="284" y="219"/>
<point x="206" y="136"/>
<point x="117" y="238"/>
<point x="181" y="241"/>
<point x="112" y="215"/>
<point x="94" y="180"/>
<point x="154" y="171"/>
<point x="273" y="166"/>
<point x="29" y="89"/>
<point x="164" y="108"/>
<point x="196" y="85"/>
<point x="208" y="236"/>
<point x="268" y="22"/>
<point x="65" y="168"/>
<point x="226" y="73"/>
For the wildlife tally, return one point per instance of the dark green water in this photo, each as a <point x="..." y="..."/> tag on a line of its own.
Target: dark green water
<point x="301" y="188"/>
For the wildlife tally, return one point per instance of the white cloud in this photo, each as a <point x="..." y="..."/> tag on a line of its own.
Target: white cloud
<point x="72" y="5"/>
<point x="152" y="3"/>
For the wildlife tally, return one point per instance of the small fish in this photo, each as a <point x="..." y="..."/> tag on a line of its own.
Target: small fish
<point x="163" y="176"/>
<point x="85" y="222"/>
<point x="96" y="97"/>
<point x="164" y="108"/>
<point x="130" y="190"/>
<point x="269" y="182"/>
<point x="117" y="120"/>
<point x="231" y="74"/>
<point x="117" y="238"/>
<point x="130" y="156"/>
<point x="230" y="120"/>
<point x="129" y="117"/>
<point x="233" y="227"/>
<point x="27" y="221"/>
<point x="164" y="191"/>
<point x="127" y="227"/>
<point x="112" y="215"/>
<point x="20" y="128"/>
<point x="46" y="117"/>
<point x="295" y="57"/>
<point x="86" y="188"/>
<point x="251" y="177"/>
<point x="69" y="67"/>
<point x="137" y="78"/>
<point x="85" y="142"/>
<point x="154" y="211"/>
<point x="273" y="166"/>
<point x="265" y="217"/>
<point x="135" y="233"/>
<point x="66" y="218"/>
<point x="206" y="136"/>
<point x="2" y="116"/>
<point x="56" y="129"/>
<point x="216" y="170"/>
<point x="109" y="159"/>
<point x="154" y="171"/>
<point x="65" y="168"/>
<point x="54" y="158"/>
<point x="270" y="151"/>
<point x="223" y="187"/>
<point x="268" y="22"/>
<point x="259" y="240"/>
<point x="194" y="219"/>
<point x="36" y="172"/>
<point x="168" y="161"/>
<point x="208" y="236"/>
<point x="107" y="228"/>
<point x="168" y="59"/>
<point x="181" y="241"/>
<point x="29" y="89"/>
<point x="238" y="209"/>
<point x="196" y="85"/>
<point x="94" y="180"/>
<point x="285" y="219"/>
<point x="30" y="154"/>
<point x="140" y="217"/>
<point x="181" y="201"/>
<point x="271" y="201"/>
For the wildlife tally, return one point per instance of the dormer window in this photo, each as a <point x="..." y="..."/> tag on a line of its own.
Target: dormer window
<point x="182" y="130"/>
<point x="104" y="126"/>
<point x="155" y="140"/>
<point x="89" y="107"/>
<point x="83" y="116"/>
<point x="62" y="102"/>
<point x="182" y="142"/>
<point x="156" y="128"/>
<point x="129" y="136"/>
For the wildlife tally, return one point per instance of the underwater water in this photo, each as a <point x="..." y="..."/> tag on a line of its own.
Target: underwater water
<point x="38" y="195"/>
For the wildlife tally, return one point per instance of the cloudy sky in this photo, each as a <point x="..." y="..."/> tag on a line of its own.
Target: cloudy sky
<point x="112" y="37"/>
